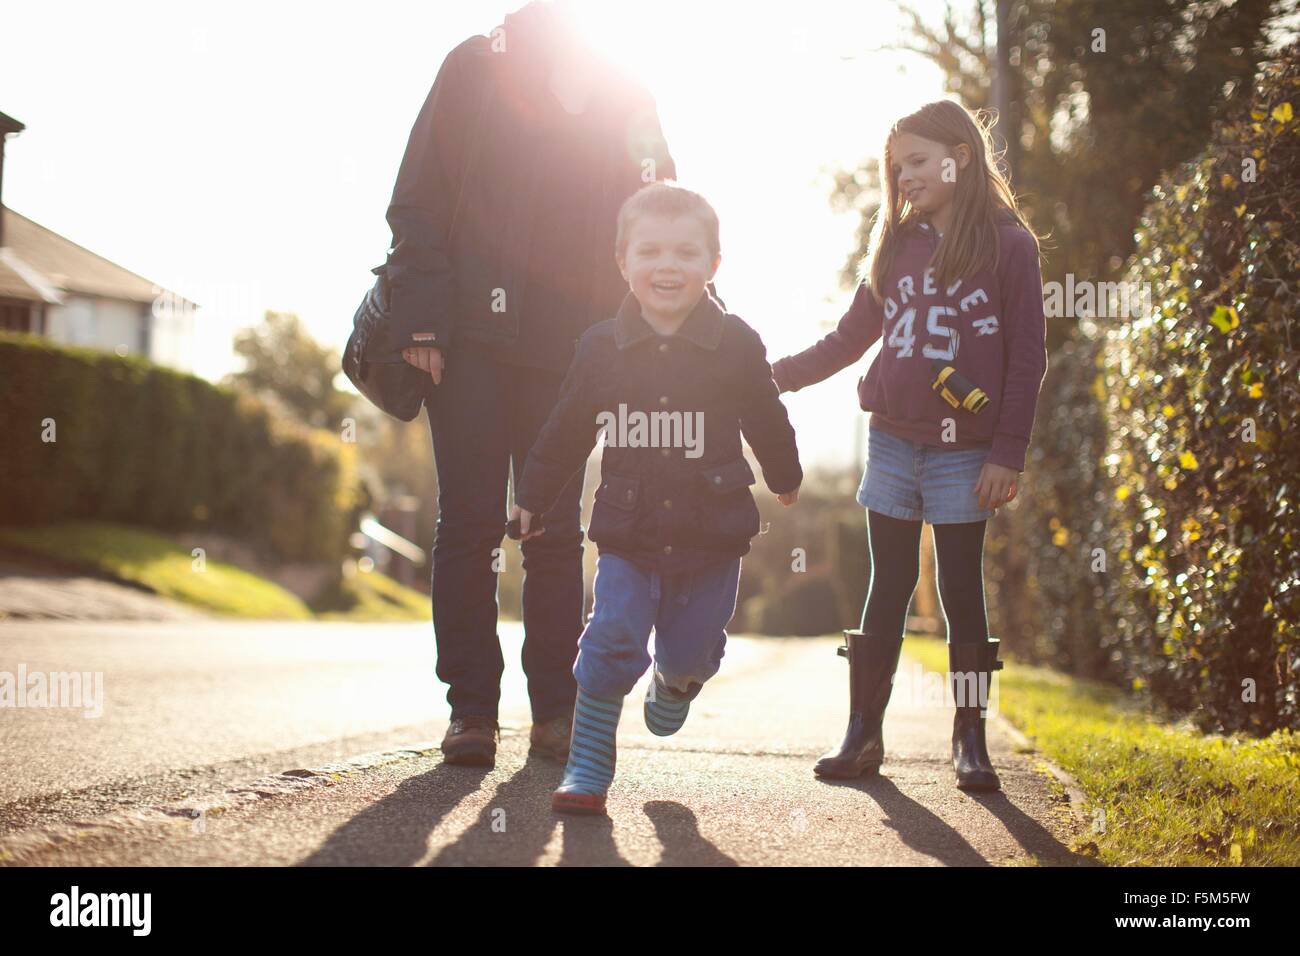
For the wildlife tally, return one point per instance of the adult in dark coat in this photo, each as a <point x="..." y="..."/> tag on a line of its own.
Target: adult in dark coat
<point x="503" y="220"/>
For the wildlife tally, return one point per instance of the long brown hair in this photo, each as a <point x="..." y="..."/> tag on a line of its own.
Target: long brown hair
<point x="983" y="196"/>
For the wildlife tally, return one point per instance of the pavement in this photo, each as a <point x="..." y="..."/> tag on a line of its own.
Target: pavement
<point x="249" y="743"/>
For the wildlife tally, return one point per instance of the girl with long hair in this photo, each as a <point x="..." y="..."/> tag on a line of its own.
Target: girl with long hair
<point x="952" y="284"/>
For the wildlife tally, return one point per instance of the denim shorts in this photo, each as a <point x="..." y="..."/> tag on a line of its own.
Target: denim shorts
<point x="915" y="482"/>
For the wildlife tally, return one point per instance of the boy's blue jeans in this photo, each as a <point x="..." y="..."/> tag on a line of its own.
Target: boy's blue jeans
<point x="688" y="612"/>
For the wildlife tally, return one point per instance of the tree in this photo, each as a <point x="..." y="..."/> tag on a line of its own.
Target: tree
<point x="1105" y="98"/>
<point x="287" y="367"/>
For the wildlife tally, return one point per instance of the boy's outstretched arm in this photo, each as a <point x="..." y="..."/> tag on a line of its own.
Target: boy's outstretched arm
<point x="565" y="441"/>
<point x="766" y="425"/>
<point x="858" y="328"/>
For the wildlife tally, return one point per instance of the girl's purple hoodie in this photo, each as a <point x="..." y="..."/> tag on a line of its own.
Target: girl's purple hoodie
<point x="991" y="328"/>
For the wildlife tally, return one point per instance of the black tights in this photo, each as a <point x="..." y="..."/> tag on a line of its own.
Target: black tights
<point x="896" y="567"/>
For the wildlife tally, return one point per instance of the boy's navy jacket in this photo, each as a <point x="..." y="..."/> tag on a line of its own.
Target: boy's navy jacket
<point x="679" y="505"/>
<point x="990" y="327"/>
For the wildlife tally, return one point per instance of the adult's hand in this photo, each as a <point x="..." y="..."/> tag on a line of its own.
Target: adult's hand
<point x="427" y="358"/>
<point x="525" y="522"/>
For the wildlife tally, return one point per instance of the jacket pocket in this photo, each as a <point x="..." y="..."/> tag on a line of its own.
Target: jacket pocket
<point x="729" y="477"/>
<point x="613" y="514"/>
<point x="620" y="491"/>
<point x="728" y="513"/>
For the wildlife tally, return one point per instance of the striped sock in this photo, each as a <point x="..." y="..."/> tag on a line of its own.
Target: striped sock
<point x="665" y="708"/>
<point x="590" y="768"/>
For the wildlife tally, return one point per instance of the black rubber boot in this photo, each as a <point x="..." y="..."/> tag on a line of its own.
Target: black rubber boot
<point x="970" y="752"/>
<point x="872" y="662"/>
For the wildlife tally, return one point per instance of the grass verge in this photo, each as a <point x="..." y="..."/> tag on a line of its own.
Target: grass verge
<point x="1159" y="794"/>
<point x="154" y="561"/>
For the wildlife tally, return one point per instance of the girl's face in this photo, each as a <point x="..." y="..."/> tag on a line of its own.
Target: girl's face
<point x="668" y="263"/>
<point x="927" y="171"/>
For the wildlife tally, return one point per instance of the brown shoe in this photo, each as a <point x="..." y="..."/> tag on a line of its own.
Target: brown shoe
<point x="471" y="742"/>
<point x="551" y="739"/>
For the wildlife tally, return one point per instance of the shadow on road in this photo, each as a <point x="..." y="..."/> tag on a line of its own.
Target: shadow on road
<point x="679" y="834"/>
<point x="395" y="831"/>
<point x="517" y="824"/>
<point x="513" y="829"/>
<point x="926" y="833"/>
<point x="915" y="825"/>
<point x="1036" y="839"/>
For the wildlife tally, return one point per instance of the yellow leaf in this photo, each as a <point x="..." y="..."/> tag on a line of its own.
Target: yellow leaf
<point x="1188" y="461"/>
<point x="1168" y="411"/>
<point x="1282" y="113"/>
<point x="1225" y="318"/>
<point x="1061" y="537"/>
<point x="1240" y="210"/>
<point x="1228" y="181"/>
<point x="1257" y="390"/>
<point x="1122" y="492"/>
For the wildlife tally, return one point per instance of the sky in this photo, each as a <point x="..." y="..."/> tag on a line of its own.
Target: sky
<point x="243" y="154"/>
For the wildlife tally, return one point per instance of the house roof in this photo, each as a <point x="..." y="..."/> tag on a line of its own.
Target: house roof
<point x="42" y="261"/>
<point x="10" y="125"/>
<point x="18" y="280"/>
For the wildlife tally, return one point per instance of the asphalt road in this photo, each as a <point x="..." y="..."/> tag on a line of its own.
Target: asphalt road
<point x="200" y="721"/>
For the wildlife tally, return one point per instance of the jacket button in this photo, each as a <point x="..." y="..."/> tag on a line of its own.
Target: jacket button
<point x="717" y="479"/>
<point x="668" y="503"/>
<point x="663" y="347"/>
<point x="668" y="549"/>
<point x="664" y="452"/>
<point x="663" y="399"/>
<point x="628" y="496"/>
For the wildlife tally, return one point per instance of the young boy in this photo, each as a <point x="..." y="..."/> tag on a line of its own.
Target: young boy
<point x="674" y="381"/>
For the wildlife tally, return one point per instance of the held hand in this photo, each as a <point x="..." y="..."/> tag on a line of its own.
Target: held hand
<point x="429" y="359"/>
<point x="789" y="498"/>
<point x="525" y="519"/>
<point x="996" y="486"/>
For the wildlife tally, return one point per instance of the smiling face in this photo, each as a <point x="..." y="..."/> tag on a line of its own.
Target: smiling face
<point x="926" y="171"/>
<point x="668" y="263"/>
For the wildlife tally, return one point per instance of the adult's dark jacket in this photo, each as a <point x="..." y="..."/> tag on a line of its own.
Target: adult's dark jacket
<point x="659" y="507"/>
<point x="529" y="264"/>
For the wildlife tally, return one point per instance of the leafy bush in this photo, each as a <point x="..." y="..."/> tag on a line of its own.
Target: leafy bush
<point x="1046" y="602"/>
<point x="144" y="445"/>
<point x="1200" y="398"/>
<point x="804" y="606"/>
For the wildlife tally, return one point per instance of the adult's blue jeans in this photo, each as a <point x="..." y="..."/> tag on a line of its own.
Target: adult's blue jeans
<point x="484" y="417"/>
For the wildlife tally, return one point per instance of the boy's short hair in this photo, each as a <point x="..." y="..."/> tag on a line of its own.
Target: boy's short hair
<point x="666" y="199"/>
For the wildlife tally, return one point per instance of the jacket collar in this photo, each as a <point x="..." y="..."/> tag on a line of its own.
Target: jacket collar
<point x="703" y="325"/>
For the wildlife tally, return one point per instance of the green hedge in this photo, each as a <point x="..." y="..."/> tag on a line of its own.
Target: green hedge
<point x="1205" y="526"/>
<point x="144" y="445"/>
<point x="1048" y="600"/>
<point x="1152" y="545"/>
